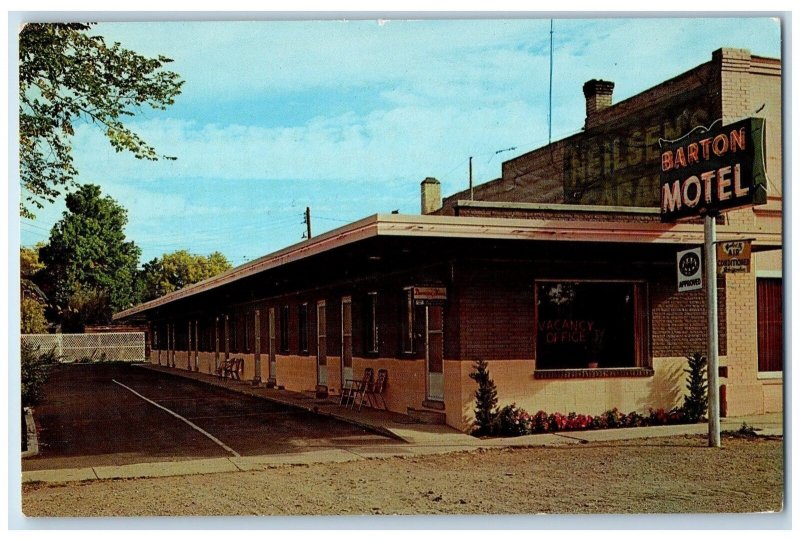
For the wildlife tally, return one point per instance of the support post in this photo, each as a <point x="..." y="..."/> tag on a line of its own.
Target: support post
<point x="710" y="231"/>
<point x="257" y="348"/>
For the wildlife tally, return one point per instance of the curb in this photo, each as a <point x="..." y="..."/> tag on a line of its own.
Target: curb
<point x="33" y="439"/>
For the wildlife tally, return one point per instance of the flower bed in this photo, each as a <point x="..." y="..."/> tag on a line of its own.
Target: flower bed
<point x="513" y="421"/>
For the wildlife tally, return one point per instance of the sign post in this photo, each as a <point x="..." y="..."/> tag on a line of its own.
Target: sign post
<point x="703" y="174"/>
<point x="710" y="238"/>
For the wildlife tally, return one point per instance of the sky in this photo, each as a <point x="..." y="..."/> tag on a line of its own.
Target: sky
<point x="347" y="117"/>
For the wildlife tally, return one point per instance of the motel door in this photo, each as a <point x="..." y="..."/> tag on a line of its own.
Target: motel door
<point x="272" y="362"/>
<point x="347" y="339"/>
<point x="434" y="350"/>
<point x="322" y="352"/>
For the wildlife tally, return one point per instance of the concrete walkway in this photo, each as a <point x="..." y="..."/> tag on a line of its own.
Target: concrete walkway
<point x="414" y="439"/>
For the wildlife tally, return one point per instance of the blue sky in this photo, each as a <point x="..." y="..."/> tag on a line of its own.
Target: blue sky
<point x="347" y="117"/>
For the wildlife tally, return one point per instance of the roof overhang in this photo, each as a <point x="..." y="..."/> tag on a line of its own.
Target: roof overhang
<point x="393" y="225"/>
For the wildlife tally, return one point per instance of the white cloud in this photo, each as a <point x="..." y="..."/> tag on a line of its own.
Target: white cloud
<point x="410" y="141"/>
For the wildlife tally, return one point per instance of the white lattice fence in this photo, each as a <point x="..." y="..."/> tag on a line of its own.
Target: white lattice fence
<point x="112" y="346"/>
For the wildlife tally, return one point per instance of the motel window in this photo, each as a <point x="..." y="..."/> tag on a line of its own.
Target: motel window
<point x="302" y="326"/>
<point x="284" y="324"/>
<point x="590" y="324"/>
<point x="769" y="297"/>
<point x="371" y="322"/>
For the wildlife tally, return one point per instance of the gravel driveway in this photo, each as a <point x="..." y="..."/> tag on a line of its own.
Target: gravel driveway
<point x="661" y="475"/>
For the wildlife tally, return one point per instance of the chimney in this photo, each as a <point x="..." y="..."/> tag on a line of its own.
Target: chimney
<point x="431" y="195"/>
<point x="598" y="96"/>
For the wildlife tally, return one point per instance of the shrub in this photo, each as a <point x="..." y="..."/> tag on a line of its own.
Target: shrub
<point x="540" y="422"/>
<point x="695" y="404"/>
<point x="33" y="373"/>
<point x="485" y="399"/>
<point x="511" y="421"/>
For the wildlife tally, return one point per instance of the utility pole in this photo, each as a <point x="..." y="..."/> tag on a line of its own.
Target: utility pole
<point x="550" y="101"/>
<point x="308" y="222"/>
<point x="710" y="248"/>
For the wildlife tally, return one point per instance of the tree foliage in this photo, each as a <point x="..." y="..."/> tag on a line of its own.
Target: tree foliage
<point x="67" y="76"/>
<point x="30" y="269"/>
<point x="179" y="269"/>
<point x="32" y="319"/>
<point x="87" y="255"/>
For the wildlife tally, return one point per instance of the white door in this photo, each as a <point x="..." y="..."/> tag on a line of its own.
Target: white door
<point x="434" y="351"/>
<point x="347" y="339"/>
<point x="322" y="343"/>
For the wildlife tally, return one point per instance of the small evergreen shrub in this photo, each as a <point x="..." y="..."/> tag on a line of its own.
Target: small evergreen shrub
<point x="485" y="399"/>
<point x="695" y="404"/>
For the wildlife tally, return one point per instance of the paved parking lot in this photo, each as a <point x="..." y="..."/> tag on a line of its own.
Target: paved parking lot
<point x="114" y="414"/>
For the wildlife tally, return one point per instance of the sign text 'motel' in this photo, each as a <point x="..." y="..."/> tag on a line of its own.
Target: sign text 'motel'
<point x="714" y="171"/>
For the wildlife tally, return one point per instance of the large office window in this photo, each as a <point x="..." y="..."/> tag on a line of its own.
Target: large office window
<point x="590" y="324"/>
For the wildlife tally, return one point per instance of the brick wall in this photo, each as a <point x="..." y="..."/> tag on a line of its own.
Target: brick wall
<point x="678" y="320"/>
<point x="495" y="312"/>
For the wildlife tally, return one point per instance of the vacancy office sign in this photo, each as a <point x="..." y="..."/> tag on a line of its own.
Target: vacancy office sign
<point x="690" y="270"/>
<point x="714" y="171"/>
<point x="733" y="256"/>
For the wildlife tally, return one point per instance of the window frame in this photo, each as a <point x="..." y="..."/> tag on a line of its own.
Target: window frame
<point x="767" y="276"/>
<point x="302" y="328"/>
<point x="642" y="333"/>
<point x="407" y="323"/>
<point x="371" y="344"/>
<point x="283" y="339"/>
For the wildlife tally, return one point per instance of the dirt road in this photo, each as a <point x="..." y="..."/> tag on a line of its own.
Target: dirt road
<point x="665" y="475"/>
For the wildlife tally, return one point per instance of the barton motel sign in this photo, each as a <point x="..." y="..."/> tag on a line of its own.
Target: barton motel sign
<point x="714" y="171"/>
<point x="705" y="174"/>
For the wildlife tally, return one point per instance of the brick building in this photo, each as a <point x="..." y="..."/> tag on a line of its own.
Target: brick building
<point x="560" y="274"/>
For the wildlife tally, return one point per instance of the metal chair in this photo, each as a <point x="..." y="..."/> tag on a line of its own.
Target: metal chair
<point x="374" y="391"/>
<point x="356" y="388"/>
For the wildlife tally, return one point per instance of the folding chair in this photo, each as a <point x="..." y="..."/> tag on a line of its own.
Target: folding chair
<point x="374" y="391"/>
<point x="356" y="388"/>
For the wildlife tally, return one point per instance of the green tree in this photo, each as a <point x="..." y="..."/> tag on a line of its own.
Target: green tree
<point x="179" y="269"/>
<point x="67" y="76"/>
<point x="32" y="298"/>
<point x="87" y="257"/>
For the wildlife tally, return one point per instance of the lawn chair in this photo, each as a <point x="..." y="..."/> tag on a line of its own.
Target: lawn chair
<point x="374" y="391"/>
<point x="236" y="368"/>
<point x="223" y="368"/>
<point x="355" y="388"/>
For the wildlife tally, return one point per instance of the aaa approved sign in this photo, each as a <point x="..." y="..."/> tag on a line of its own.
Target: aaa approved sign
<point x="690" y="270"/>
<point x="733" y="256"/>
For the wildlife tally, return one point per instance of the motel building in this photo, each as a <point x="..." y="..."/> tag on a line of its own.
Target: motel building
<point x="561" y="274"/>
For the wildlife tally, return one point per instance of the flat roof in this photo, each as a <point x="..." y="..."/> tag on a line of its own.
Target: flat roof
<point x="405" y="225"/>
